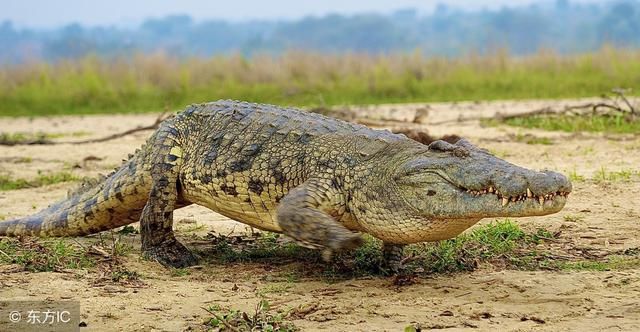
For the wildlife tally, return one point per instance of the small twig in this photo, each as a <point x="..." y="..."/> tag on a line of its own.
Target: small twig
<point x="44" y="141"/>
<point x="153" y="126"/>
<point x="620" y="93"/>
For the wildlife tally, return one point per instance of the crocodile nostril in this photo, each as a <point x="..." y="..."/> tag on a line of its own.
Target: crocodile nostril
<point x="431" y="192"/>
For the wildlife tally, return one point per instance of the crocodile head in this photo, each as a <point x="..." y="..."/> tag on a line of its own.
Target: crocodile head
<point x="449" y="187"/>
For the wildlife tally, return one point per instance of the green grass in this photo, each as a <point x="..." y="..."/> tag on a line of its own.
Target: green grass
<point x="180" y="272"/>
<point x="153" y="83"/>
<point x="611" y="263"/>
<point x="531" y="139"/>
<point x="575" y="177"/>
<point x="502" y="242"/>
<point x="7" y="183"/>
<point x="43" y="255"/>
<point x="573" y="218"/>
<point x="587" y="123"/>
<point x="625" y="175"/>
<point x="263" y="318"/>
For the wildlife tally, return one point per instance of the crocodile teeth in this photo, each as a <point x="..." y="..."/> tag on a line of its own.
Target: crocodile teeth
<point x="490" y="189"/>
<point x="529" y="194"/>
<point x="541" y="199"/>
<point x="505" y="201"/>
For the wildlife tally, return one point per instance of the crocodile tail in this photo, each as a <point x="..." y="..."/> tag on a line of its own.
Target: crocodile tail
<point x="114" y="201"/>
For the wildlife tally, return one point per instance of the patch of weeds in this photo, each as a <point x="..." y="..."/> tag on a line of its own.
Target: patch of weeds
<point x="11" y="139"/>
<point x="531" y="139"/>
<point x="588" y="150"/>
<point x="128" y="230"/>
<point x="602" y="175"/>
<point x="364" y="260"/>
<point x="502" y="242"/>
<point x="275" y="288"/>
<point x="540" y="236"/>
<point x="290" y="276"/>
<point x="80" y="133"/>
<point x="180" y="272"/>
<point x="121" y="249"/>
<point x="23" y="160"/>
<point x="573" y="218"/>
<point x="575" y="177"/>
<point x="7" y="183"/>
<point x="503" y="154"/>
<point x="464" y="252"/>
<point x="589" y="123"/>
<point x="262" y="319"/>
<point x="193" y="228"/>
<point x="615" y="262"/>
<point x="123" y="275"/>
<point x="43" y="255"/>
<point x="262" y="246"/>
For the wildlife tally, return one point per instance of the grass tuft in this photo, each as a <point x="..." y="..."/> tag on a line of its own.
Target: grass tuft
<point x="263" y="318"/>
<point x="7" y="183"/>
<point x="611" y="263"/>
<point x="502" y="242"/>
<point x="588" y="123"/>
<point x="43" y="255"/>
<point x="155" y="82"/>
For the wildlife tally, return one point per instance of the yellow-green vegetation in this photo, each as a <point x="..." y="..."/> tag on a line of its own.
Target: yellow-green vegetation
<point x="23" y="138"/>
<point x="36" y="138"/>
<point x="573" y="218"/>
<point x="531" y="139"/>
<point x="275" y="288"/>
<point x="180" y="272"/>
<point x="8" y="183"/>
<point x="575" y="177"/>
<point x="603" y="175"/>
<point x="502" y="241"/>
<point x="617" y="262"/>
<point x="153" y="83"/>
<point x="43" y="255"/>
<point x="589" y="123"/>
<point x="263" y="318"/>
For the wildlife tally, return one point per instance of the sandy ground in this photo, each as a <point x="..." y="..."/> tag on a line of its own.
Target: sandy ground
<point x="606" y="219"/>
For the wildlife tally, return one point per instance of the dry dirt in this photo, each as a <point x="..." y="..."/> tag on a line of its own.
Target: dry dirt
<point x="601" y="216"/>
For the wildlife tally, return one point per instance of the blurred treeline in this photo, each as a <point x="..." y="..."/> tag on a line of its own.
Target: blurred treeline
<point x="561" y="26"/>
<point x="154" y="82"/>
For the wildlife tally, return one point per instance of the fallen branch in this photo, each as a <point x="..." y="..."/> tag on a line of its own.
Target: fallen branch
<point x="153" y="126"/>
<point x="41" y="140"/>
<point x="607" y="107"/>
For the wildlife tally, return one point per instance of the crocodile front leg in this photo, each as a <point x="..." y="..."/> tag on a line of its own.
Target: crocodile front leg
<point x="303" y="215"/>
<point x="156" y="223"/>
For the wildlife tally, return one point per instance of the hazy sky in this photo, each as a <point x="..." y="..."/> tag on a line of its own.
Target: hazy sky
<point x="51" y="13"/>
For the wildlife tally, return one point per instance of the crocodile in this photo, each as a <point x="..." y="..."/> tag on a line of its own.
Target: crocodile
<point x="319" y="180"/>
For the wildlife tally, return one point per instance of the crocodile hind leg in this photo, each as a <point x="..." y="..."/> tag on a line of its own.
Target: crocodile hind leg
<point x="156" y="223"/>
<point x="393" y="256"/>
<point x="303" y="215"/>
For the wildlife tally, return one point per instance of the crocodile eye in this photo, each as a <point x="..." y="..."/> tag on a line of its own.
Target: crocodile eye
<point x="441" y="145"/>
<point x="431" y="192"/>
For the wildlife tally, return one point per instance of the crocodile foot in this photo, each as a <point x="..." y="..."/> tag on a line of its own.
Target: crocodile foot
<point x="393" y="263"/>
<point x="171" y="253"/>
<point x="347" y="242"/>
